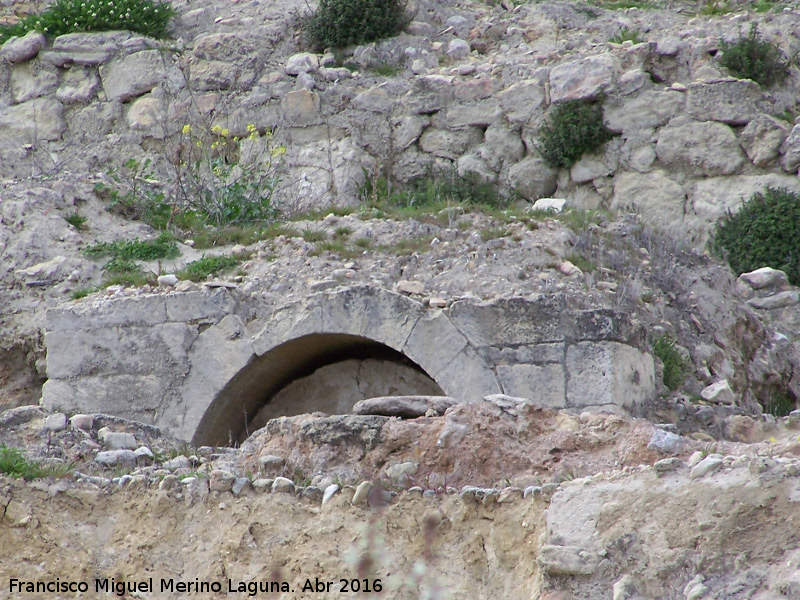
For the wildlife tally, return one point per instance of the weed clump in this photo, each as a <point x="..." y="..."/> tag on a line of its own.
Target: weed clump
<point x="14" y="464"/>
<point x="674" y="364"/>
<point x="764" y="233"/>
<point x="69" y="16"/>
<point x="208" y="265"/>
<point x="755" y="58"/>
<point x="338" y="23"/>
<point x="572" y="129"/>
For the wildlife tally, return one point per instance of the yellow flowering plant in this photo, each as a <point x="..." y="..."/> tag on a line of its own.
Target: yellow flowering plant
<point x="227" y="179"/>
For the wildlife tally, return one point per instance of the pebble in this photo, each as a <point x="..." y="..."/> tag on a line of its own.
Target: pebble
<point x="330" y="492"/>
<point x="362" y="491"/>
<point x="665" y="465"/>
<point x="695" y="458"/>
<point x="709" y="464"/>
<point x="282" y="485"/>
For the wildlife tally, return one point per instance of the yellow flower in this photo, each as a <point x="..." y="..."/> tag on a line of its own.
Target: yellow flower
<point x="187" y="129"/>
<point x="199" y="143"/>
<point x="225" y="132"/>
<point x="279" y="151"/>
<point x="251" y="128"/>
<point x="216" y="129"/>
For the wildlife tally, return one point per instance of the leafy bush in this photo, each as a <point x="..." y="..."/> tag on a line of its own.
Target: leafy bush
<point x="69" y="16"/>
<point x="338" y="23"/>
<point x="755" y="58"/>
<point x="162" y="247"/>
<point x="674" y="363"/>
<point x="572" y="129"/>
<point x="764" y="233"/>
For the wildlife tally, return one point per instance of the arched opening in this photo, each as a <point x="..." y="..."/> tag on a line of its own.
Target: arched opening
<point x="319" y="372"/>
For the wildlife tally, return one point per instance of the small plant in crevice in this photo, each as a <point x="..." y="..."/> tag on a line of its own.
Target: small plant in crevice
<point x="69" y="16"/>
<point x="626" y="35"/>
<point x="339" y="23"/>
<point x="755" y="58"/>
<point x="764" y="233"/>
<point x="14" y="463"/>
<point x="716" y="7"/>
<point x="77" y="220"/>
<point x="123" y="267"/>
<point x="675" y="366"/>
<point x="200" y="269"/>
<point x="780" y="404"/>
<point x="572" y="129"/>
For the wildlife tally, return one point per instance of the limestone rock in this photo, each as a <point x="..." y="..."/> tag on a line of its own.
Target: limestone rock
<point x="790" y="149"/>
<point x="169" y="280"/>
<point x="78" y="85"/>
<point x="410" y="287"/>
<point x="764" y="277"/>
<point x="762" y="139"/>
<point x="301" y="108"/>
<point x="449" y="144"/>
<point x="554" y="205"/>
<point x="220" y="481"/>
<point x="732" y="101"/>
<point x="282" y="485"/>
<point x="119" y="440"/>
<point x="779" y="300"/>
<point x="704" y="149"/>
<point x="665" y="442"/>
<point x="460" y="116"/>
<point x="20" y="49"/>
<point x="270" y="463"/>
<point x="475" y="165"/>
<point x="532" y="178"/>
<point x="83" y="422"/>
<point x="583" y="79"/>
<point x="458" y="49"/>
<point x="647" y="110"/>
<point x="659" y="198"/>
<point x="29" y="122"/>
<point x="719" y="393"/>
<point x="406" y="407"/>
<point x="55" y="422"/>
<point x="567" y="560"/>
<point x="113" y="458"/>
<point x="304" y="62"/>
<point x="132" y="75"/>
<point x="503" y="144"/>
<point x="330" y="492"/>
<point x="362" y="492"/>
<point x="429" y="94"/>
<point x="521" y="100"/>
<point x="374" y="100"/>
<point x="708" y="465"/>
<point x="28" y="82"/>
<point x="146" y="114"/>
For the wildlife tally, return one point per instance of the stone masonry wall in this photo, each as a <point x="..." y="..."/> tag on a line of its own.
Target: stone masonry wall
<point x="173" y="359"/>
<point x="693" y="142"/>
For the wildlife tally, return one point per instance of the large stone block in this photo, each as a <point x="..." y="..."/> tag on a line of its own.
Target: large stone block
<point x="199" y="306"/>
<point x="522" y="100"/>
<point x="732" y="101"/>
<point x="545" y="384"/>
<point x="20" y="49"/>
<point x="31" y="80"/>
<point x="160" y="349"/>
<point x="532" y="178"/>
<point x="449" y="144"/>
<point x="33" y="121"/>
<point x="467" y="377"/>
<point x="790" y="161"/>
<point x="434" y="342"/>
<point x="301" y="108"/>
<point x="584" y="78"/>
<point x="429" y="94"/>
<point x="608" y="373"/>
<point x="132" y="75"/>
<point x="644" y="111"/>
<point x="460" y="116"/>
<point x="703" y="149"/>
<point x="762" y="139"/>
<point x="135" y="310"/>
<point x="511" y="321"/>
<point x="659" y="199"/>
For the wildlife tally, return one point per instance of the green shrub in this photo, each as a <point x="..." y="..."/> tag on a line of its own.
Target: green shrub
<point x="674" y="363"/>
<point x="208" y="265"/>
<point x="755" y="58"/>
<point x="77" y="220"/>
<point x="69" y="16"/>
<point x="764" y="233"/>
<point x="338" y="23"/>
<point x="572" y="129"/>
<point x="626" y="35"/>
<point x="163" y="246"/>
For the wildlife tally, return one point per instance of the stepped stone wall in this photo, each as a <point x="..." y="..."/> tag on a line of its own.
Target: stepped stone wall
<point x="692" y="142"/>
<point x="197" y="364"/>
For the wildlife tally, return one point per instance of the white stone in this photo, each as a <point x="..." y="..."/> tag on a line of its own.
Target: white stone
<point x="282" y="485"/>
<point x="55" y="422"/>
<point x="719" y="393"/>
<point x="304" y="62"/>
<point x="555" y="205"/>
<point x="167" y="280"/>
<point x="112" y="458"/>
<point x="19" y="49"/>
<point x="132" y="75"/>
<point x="583" y="79"/>
<point x="362" y="492"/>
<point x="709" y="464"/>
<point x="458" y="49"/>
<point x="330" y="492"/>
<point x="665" y="442"/>
<point x="762" y="139"/>
<point x="703" y="149"/>
<point x="764" y="277"/>
<point x="119" y="440"/>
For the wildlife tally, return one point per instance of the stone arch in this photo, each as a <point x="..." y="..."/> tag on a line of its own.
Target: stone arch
<point x="323" y="328"/>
